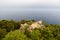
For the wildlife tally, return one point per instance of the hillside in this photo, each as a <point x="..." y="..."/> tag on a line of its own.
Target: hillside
<point x="28" y="30"/>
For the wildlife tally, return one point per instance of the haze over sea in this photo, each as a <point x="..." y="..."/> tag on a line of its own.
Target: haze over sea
<point x="48" y="11"/>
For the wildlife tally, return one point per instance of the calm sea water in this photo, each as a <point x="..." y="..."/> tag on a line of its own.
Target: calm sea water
<point x="48" y="16"/>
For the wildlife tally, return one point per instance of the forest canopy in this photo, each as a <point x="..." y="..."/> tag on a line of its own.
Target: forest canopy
<point x="10" y="30"/>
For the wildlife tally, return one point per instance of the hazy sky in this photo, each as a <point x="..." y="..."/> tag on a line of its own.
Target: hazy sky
<point x="30" y="3"/>
<point x="16" y="9"/>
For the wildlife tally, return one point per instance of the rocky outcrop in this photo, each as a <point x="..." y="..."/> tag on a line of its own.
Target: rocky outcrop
<point x="38" y="25"/>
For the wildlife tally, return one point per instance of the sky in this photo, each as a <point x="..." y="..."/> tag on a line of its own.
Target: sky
<point x="16" y="9"/>
<point x="30" y="3"/>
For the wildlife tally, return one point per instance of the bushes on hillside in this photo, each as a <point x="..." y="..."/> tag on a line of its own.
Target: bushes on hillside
<point x="9" y="31"/>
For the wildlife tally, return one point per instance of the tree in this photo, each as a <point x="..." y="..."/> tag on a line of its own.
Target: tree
<point x="35" y="35"/>
<point x="30" y="21"/>
<point x="2" y="33"/>
<point x="47" y="34"/>
<point x="15" y="35"/>
<point x="22" y="21"/>
<point x="7" y="24"/>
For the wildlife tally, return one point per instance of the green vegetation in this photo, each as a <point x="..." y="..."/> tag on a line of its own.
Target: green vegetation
<point x="9" y="30"/>
<point x="15" y="35"/>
